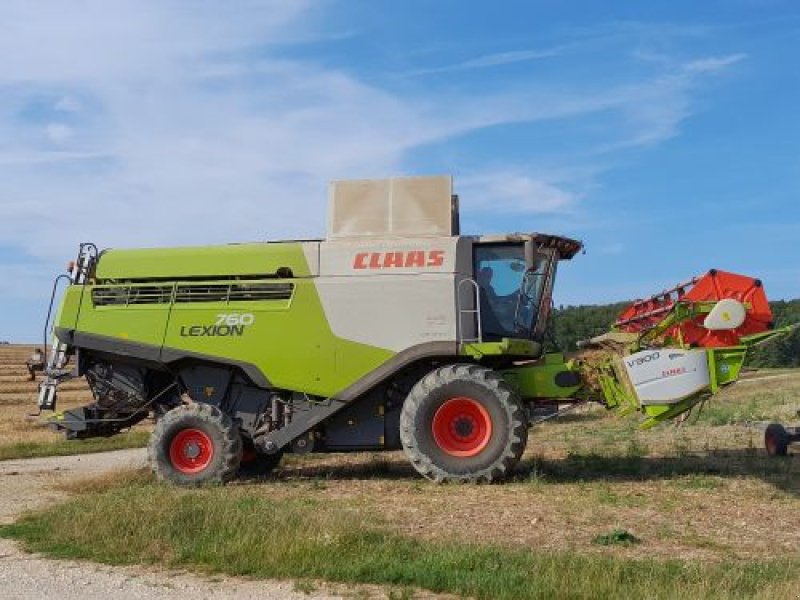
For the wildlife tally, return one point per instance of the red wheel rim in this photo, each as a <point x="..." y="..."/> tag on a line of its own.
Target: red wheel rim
<point x="191" y="451"/>
<point x="462" y="427"/>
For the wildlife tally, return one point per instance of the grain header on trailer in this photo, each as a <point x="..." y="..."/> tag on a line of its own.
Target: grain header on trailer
<point x="395" y="331"/>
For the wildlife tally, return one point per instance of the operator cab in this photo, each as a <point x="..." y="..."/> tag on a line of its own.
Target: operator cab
<point x="515" y="276"/>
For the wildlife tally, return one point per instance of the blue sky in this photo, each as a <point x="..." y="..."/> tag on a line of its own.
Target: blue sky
<point x="665" y="136"/>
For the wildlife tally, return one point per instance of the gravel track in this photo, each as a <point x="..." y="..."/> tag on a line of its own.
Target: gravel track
<point x="29" y="483"/>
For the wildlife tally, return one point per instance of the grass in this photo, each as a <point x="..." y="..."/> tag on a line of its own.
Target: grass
<point x="618" y="536"/>
<point x="238" y="531"/>
<point x="62" y="447"/>
<point x="756" y="400"/>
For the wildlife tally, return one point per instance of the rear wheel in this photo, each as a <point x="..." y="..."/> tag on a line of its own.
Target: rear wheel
<point x="776" y="440"/>
<point x="463" y="423"/>
<point x="195" y="444"/>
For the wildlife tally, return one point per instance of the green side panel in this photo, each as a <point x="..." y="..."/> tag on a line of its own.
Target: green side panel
<point x="538" y="380"/>
<point x="289" y="340"/>
<point x="144" y="323"/>
<point x="68" y="310"/>
<point x="658" y="413"/>
<point x="505" y="347"/>
<point x="725" y="365"/>
<point x="616" y="394"/>
<point x="177" y="263"/>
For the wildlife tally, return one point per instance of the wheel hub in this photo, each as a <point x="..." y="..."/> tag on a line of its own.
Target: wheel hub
<point x="191" y="451"/>
<point x="462" y="427"/>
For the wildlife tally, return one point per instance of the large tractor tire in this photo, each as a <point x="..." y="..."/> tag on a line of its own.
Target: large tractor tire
<point x="195" y="444"/>
<point x="463" y="423"/>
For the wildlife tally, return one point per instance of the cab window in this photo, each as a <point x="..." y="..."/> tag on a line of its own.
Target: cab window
<point x="499" y="271"/>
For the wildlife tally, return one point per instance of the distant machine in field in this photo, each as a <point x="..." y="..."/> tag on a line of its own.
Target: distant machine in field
<point x="395" y="331"/>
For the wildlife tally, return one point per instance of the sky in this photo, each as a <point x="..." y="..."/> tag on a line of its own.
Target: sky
<point x="664" y="135"/>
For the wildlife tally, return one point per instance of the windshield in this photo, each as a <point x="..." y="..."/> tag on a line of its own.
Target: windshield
<point x="510" y="290"/>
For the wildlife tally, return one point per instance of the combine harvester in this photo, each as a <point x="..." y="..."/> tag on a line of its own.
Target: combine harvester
<point x="393" y="332"/>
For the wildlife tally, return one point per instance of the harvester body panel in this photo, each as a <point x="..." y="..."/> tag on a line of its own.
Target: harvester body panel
<point x="225" y="311"/>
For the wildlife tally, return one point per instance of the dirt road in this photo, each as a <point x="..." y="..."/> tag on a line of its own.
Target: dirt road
<point x="27" y="484"/>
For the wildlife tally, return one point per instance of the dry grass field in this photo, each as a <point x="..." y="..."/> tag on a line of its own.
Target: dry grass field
<point x="22" y="435"/>
<point x="703" y="490"/>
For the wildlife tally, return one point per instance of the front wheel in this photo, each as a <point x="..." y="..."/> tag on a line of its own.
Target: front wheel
<point x="195" y="444"/>
<point x="463" y="423"/>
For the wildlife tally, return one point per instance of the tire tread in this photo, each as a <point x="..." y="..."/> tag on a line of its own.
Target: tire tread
<point x="505" y="463"/>
<point x="230" y="448"/>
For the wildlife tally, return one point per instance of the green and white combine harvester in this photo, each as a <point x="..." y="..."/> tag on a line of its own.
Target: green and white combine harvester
<point x="394" y="331"/>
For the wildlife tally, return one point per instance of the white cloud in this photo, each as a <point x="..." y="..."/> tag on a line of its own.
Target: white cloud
<point x="492" y="60"/>
<point x="513" y="192"/>
<point x="713" y="63"/>
<point x="180" y="123"/>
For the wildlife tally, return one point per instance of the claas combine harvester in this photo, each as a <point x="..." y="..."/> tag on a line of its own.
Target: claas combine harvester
<point x="394" y="331"/>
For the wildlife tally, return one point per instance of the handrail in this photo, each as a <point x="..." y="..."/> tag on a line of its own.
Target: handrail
<point x="469" y="311"/>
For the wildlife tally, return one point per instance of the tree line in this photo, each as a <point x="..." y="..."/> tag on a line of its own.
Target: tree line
<point x="571" y="324"/>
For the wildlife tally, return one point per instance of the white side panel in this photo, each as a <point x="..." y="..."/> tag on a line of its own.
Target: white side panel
<point x="311" y="252"/>
<point x="390" y="293"/>
<point x="391" y="312"/>
<point x="667" y="376"/>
